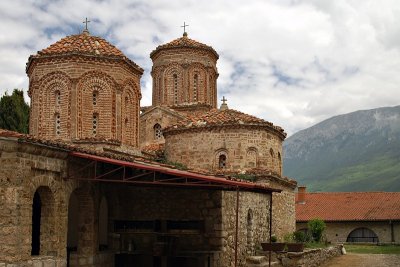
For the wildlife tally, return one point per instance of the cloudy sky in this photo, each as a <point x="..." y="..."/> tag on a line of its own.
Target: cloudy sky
<point x="292" y="62"/>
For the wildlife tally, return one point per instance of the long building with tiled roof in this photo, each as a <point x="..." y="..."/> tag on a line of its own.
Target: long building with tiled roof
<point x="352" y="216"/>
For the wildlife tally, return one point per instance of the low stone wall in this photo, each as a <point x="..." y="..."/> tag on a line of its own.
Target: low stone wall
<point x="308" y="258"/>
<point x="38" y="261"/>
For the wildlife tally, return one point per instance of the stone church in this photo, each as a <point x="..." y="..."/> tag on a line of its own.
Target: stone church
<point x="101" y="181"/>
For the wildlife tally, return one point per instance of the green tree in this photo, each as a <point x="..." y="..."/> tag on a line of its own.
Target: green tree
<point x="316" y="227"/>
<point x="14" y="112"/>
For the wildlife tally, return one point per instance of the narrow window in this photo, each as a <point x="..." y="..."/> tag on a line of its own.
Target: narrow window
<point x="58" y="98"/>
<point x="95" y="97"/>
<point x="175" y="89"/>
<point x="222" y="161"/>
<point x="58" y="123"/>
<point x="95" y="122"/>
<point x="157" y="131"/>
<point x="195" y="88"/>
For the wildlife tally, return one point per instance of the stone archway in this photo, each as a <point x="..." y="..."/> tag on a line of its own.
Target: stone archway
<point x="362" y="235"/>
<point x="43" y="222"/>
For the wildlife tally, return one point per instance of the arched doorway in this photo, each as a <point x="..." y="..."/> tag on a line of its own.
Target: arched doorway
<point x="36" y="214"/>
<point x="364" y="235"/>
<point x="43" y="225"/>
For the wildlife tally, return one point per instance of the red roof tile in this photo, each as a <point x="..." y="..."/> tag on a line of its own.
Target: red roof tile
<point x="218" y="117"/>
<point x="7" y="133"/>
<point x="184" y="42"/>
<point x="153" y="148"/>
<point x="82" y="43"/>
<point x="350" y="206"/>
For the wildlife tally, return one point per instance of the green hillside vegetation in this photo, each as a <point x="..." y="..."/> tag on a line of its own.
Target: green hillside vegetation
<point x="361" y="153"/>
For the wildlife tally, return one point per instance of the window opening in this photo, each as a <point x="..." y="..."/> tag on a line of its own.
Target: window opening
<point x="95" y="97"/>
<point x="157" y="131"/>
<point x="195" y="87"/>
<point x="58" y="98"/>
<point x="222" y="162"/>
<point x="58" y="123"/>
<point x="95" y="122"/>
<point x="175" y="89"/>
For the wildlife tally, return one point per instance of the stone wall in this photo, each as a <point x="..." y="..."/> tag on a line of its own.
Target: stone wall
<point x="309" y="258"/>
<point x="157" y="115"/>
<point x="338" y="232"/>
<point x="244" y="148"/>
<point x="69" y="93"/>
<point x="253" y="225"/>
<point x="26" y="169"/>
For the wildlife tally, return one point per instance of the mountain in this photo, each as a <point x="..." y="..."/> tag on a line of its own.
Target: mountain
<point x="359" y="151"/>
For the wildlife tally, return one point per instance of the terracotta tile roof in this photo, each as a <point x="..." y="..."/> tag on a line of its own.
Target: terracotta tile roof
<point x="82" y="43"/>
<point x="218" y="117"/>
<point x="7" y="133"/>
<point x="349" y="206"/>
<point x="153" y="148"/>
<point x="184" y="41"/>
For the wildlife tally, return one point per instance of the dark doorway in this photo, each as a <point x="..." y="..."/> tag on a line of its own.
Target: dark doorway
<point x="362" y="235"/>
<point x="36" y="214"/>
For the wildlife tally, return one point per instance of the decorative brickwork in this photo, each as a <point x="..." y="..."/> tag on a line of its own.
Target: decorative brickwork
<point x="84" y="88"/>
<point x="184" y="72"/>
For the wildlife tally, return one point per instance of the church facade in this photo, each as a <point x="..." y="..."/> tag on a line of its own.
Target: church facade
<point x="101" y="181"/>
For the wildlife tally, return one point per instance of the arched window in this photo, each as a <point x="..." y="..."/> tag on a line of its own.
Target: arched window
<point x="175" y="89"/>
<point x="251" y="157"/>
<point x="195" y="81"/>
<point x="57" y="120"/>
<point x="157" y="131"/>
<point x="222" y="161"/>
<point x="95" y="97"/>
<point x="58" y="98"/>
<point x="362" y="235"/>
<point x="95" y="123"/>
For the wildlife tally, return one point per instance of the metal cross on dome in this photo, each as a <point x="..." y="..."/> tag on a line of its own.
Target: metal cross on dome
<point x="224" y="100"/>
<point x="86" y="23"/>
<point x="184" y="27"/>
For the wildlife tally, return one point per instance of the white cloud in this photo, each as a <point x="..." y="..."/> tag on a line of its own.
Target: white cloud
<point x="294" y="63"/>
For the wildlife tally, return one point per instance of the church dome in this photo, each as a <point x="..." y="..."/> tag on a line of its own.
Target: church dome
<point x="224" y="118"/>
<point x="82" y="44"/>
<point x="184" y="42"/>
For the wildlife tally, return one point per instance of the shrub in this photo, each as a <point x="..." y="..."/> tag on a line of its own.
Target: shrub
<point x="274" y="239"/>
<point x="316" y="227"/>
<point x="299" y="237"/>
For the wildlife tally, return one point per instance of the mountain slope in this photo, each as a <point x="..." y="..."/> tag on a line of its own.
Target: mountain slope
<point x="359" y="151"/>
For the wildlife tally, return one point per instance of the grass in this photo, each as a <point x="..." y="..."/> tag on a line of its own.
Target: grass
<point x="373" y="249"/>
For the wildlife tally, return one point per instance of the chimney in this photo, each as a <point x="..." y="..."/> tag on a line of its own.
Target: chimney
<point x="301" y="194"/>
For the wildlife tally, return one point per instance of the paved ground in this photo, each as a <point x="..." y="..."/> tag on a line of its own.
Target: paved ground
<point x="365" y="260"/>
